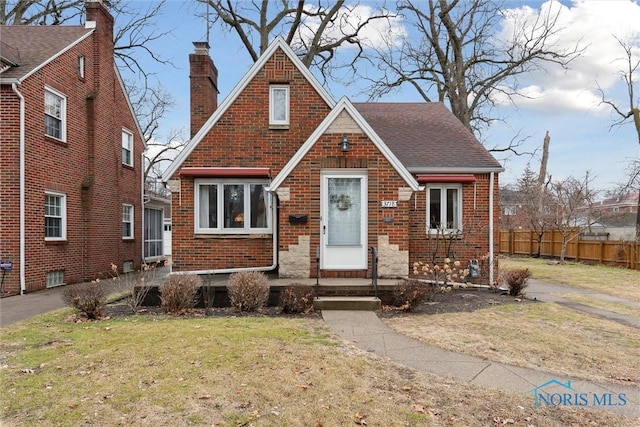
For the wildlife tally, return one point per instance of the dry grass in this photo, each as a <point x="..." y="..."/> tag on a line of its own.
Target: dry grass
<point x="620" y="282"/>
<point x="167" y="371"/>
<point x="542" y="336"/>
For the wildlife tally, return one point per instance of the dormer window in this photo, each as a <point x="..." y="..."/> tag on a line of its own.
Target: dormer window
<point x="279" y="106"/>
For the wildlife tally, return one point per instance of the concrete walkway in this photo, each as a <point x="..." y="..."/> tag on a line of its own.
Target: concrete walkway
<point x="549" y="292"/>
<point x="365" y="330"/>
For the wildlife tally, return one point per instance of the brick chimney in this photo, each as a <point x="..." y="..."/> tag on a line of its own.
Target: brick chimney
<point x="204" y="86"/>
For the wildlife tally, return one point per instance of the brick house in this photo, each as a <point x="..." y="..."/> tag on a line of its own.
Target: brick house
<point x="281" y="177"/>
<point x="71" y="156"/>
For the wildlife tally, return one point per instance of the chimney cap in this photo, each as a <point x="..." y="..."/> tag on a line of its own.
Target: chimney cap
<point x="202" y="47"/>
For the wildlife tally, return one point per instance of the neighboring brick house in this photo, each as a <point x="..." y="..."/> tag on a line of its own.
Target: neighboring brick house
<point x="71" y="156"/>
<point x="280" y="175"/>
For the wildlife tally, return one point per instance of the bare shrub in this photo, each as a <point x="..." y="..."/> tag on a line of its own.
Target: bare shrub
<point x="88" y="298"/>
<point x="296" y="298"/>
<point x="248" y="290"/>
<point x="135" y="284"/>
<point x="407" y="294"/>
<point x="516" y="280"/>
<point x="178" y="292"/>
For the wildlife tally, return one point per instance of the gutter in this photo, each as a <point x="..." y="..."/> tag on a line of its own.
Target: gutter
<point x="14" y="87"/>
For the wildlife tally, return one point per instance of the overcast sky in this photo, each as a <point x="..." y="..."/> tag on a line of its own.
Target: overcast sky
<point x="565" y="103"/>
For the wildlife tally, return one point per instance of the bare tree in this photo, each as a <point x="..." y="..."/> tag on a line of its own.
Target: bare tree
<point x="573" y="201"/>
<point x="629" y="110"/>
<point x="314" y="29"/>
<point x="460" y="57"/>
<point x="535" y="202"/>
<point x="39" y="12"/>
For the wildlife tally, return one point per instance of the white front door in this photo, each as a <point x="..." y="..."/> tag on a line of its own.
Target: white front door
<point x="343" y="223"/>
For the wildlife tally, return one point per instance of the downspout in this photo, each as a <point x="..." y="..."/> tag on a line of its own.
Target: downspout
<point x="491" y="219"/>
<point x="237" y="270"/>
<point x="23" y="287"/>
<point x="142" y="203"/>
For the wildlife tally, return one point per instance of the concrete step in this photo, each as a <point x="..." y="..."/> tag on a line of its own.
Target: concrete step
<point x="347" y="303"/>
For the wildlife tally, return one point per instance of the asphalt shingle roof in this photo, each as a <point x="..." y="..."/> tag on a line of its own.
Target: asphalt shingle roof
<point x="31" y="46"/>
<point x="426" y="136"/>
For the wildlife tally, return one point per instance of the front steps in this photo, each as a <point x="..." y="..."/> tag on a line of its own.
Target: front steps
<point x="347" y="303"/>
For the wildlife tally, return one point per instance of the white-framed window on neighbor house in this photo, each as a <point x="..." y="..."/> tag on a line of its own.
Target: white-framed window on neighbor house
<point x="55" y="114"/>
<point x="127" y="221"/>
<point x="279" y="105"/>
<point x="127" y="148"/>
<point x="55" y="216"/>
<point x="232" y="207"/>
<point x="444" y="208"/>
<point x="509" y="210"/>
<point x="81" y="66"/>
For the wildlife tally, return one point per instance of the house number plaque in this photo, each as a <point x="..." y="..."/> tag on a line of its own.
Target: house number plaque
<point x="389" y="204"/>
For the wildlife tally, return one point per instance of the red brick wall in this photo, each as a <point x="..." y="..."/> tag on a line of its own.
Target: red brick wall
<point x="474" y="242"/>
<point x="95" y="184"/>
<point x="304" y="184"/>
<point x="242" y="138"/>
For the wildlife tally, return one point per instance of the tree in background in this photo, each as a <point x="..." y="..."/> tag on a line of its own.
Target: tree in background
<point x="314" y="29"/>
<point x="629" y="110"/>
<point x="536" y="204"/>
<point x="462" y="57"/>
<point x="572" y="202"/>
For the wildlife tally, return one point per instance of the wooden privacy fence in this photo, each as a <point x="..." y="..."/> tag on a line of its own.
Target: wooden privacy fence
<point x="609" y="252"/>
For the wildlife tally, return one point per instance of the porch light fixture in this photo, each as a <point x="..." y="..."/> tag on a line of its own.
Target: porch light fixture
<point x="344" y="144"/>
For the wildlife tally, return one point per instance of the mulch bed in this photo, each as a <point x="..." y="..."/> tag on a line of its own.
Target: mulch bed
<point x="454" y="301"/>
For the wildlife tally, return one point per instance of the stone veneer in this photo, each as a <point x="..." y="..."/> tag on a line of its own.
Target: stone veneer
<point x="392" y="263"/>
<point x="296" y="262"/>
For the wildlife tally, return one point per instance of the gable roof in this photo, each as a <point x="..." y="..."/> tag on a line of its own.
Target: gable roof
<point x="344" y="105"/>
<point x="30" y="47"/>
<point x="278" y="43"/>
<point x="427" y="137"/>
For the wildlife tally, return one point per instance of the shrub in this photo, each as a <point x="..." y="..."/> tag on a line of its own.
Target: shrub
<point x="87" y="298"/>
<point x="178" y="292"/>
<point x="516" y="280"/>
<point x="248" y="290"/>
<point x="407" y="294"/>
<point x="296" y="298"/>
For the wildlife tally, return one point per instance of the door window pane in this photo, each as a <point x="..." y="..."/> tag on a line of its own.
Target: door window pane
<point x="345" y="211"/>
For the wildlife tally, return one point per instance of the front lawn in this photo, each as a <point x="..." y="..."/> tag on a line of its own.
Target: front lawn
<point x="156" y="370"/>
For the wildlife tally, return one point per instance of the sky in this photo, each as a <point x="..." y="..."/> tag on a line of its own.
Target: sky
<point x="565" y="103"/>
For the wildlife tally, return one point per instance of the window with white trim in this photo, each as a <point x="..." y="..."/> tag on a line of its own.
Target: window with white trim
<point x="509" y="210"/>
<point x="127" y="221"/>
<point x="55" y="114"/>
<point x="444" y="208"/>
<point x="279" y="105"/>
<point x="127" y="148"/>
<point x="81" y="66"/>
<point x="232" y="207"/>
<point x="55" y="216"/>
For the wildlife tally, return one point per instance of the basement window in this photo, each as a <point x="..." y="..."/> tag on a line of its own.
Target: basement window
<point x="54" y="278"/>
